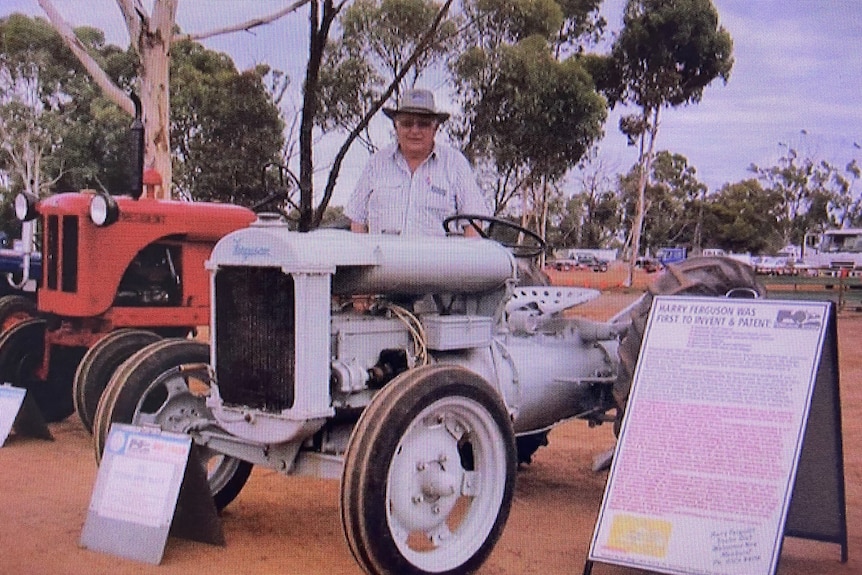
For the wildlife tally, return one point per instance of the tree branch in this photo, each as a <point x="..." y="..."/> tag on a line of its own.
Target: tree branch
<point x="357" y="131"/>
<point x="111" y="90"/>
<point x="246" y="26"/>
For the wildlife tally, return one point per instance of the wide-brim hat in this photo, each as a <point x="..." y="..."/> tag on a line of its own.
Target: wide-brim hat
<point x="419" y="102"/>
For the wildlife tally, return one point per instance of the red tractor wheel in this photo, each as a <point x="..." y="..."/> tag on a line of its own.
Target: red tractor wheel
<point x="22" y="348"/>
<point x="98" y="365"/>
<point x="15" y="309"/>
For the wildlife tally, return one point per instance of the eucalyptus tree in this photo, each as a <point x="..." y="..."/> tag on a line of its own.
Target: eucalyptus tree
<point x="666" y="54"/>
<point x="744" y="217"/>
<point x="226" y="127"/>
<point x="848" y="202"/>
<point x="803" y="189"/>
<point x="152" y="35"/>
<point x="590" y="217"/>
<point x="673" y="199"/>
<point x="35" y="70"/>
<point x="530" y="108"/>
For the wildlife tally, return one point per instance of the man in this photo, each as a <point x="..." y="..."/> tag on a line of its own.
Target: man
<point x="411" y="186"/>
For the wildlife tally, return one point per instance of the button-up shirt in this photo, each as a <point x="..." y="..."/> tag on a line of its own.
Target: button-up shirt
<point x="390" y="200"/>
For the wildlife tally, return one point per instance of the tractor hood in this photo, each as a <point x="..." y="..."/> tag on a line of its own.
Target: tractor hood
<point x="371" y="263"/>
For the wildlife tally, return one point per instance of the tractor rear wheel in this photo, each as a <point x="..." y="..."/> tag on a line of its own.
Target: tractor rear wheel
<point x="165" y="384"/>
<point x="22" y="349"/>
<point x="15" y="309"/>
<point x="703" y="276"/>
<point x="429" y="474"/>
<point x="99" y="364"/>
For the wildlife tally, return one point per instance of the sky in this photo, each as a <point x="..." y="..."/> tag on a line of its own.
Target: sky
<point x="796" y="80"/>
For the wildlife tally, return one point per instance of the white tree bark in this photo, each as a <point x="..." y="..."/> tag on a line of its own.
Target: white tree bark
<point x="643" y="178"/>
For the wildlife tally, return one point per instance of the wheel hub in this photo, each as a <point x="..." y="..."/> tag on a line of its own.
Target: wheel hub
<point x="431" y="476"/>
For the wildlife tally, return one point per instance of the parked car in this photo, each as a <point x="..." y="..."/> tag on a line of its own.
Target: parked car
<point x="583" y="262"/>
<point x="649" y="265"/>
<point x="775" y="266"/>
<point x="592" y="263"/>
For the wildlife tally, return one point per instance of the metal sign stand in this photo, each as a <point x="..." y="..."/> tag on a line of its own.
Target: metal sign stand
<point x="19" y="412"/>
<point x="818" y="509"/>
<point x="150" y="484"/>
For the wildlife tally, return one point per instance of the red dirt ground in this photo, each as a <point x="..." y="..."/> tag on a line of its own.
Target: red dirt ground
<point x="291" y="526"/>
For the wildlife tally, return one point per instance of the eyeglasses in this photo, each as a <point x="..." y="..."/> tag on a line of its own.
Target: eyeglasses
<point x="422" y="123"/>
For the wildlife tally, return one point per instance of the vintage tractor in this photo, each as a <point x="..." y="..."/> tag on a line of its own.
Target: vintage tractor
<point x="118" y="272"/>
<point x="414" y="397"/>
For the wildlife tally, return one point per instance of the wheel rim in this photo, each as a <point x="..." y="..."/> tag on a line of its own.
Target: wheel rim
<point x="445" y="484"/>
<point x="176" y="402"/>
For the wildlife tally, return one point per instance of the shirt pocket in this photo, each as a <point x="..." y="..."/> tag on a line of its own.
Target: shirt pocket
<point x="385" y="209"/>
<point x="439" y="202"/>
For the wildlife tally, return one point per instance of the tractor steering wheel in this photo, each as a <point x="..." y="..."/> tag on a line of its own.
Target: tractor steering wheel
<point x="523" y="242"/>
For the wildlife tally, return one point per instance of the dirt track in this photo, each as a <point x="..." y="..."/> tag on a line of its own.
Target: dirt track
<point x="291" y="525"/>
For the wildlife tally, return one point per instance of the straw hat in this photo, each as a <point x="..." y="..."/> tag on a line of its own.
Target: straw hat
<point x="419" y="102"/>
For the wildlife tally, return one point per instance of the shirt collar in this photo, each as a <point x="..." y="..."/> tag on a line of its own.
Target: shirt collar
<point x="396" y="153"/>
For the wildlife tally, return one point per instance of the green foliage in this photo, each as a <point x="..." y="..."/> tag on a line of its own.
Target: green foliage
<point x="672" y="199"/>
<point x="225" y="126"/>
<point x="540" y="113"/>
<point x="509" y="22"/>
<point x="526" y="112"/>
<point x="802" y="190"/>
<point x="743" y="217"/>
<point x="846" y="203"/>
<point x="377" y="39"/>
<point x="589" y="218"/>
<point x="668" y="51"/>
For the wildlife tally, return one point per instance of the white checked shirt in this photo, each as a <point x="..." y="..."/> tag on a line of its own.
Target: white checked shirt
<point x="391" y="200"/>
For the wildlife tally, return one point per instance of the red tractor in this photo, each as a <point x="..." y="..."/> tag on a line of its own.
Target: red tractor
<point x="118" y="273"/>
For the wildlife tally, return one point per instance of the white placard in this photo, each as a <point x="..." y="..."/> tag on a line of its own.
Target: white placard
<point x="140" y="476"/>
<point x="704" y="469"/>
<point x="11" y="399"/>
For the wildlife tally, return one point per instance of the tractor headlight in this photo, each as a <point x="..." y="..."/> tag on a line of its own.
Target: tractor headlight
<point x="25" y="206"/>
<point x="104" y="210"/>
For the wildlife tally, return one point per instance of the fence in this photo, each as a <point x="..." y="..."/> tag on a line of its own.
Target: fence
<point x="845" y="292"/>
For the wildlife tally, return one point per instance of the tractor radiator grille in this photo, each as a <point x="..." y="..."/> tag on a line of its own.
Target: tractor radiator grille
<point x="255" y="337"/>
<point x="61" y="257"/>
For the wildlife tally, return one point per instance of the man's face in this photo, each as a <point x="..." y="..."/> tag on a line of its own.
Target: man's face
<point x="415" y="134"/>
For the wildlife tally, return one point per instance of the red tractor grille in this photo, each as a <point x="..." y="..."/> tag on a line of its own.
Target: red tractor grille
<point x="61" y="253"/>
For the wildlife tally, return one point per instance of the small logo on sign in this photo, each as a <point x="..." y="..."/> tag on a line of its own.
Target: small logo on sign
<point x="798" y="319"/>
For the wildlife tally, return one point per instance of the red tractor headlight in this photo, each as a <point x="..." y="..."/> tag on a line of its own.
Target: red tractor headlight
<point x="25" y="206"/>
<point x="104" y="210"/>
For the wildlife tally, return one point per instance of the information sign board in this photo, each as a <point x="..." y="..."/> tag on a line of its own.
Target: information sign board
<point x="705" y="466"/>
<point x="11" y="399"/>
<point x="136" y="492"/>
<point x="18" y="411"/>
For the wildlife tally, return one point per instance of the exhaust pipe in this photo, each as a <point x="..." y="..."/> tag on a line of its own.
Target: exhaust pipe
<point x="136" y="167"/>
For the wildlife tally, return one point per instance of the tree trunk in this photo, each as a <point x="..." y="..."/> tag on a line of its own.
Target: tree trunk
<point x="643" y="178"/>
<point x="152" y="38"/>
<point x="154" y="45"/>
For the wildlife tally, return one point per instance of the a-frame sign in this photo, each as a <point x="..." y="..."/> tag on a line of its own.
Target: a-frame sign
<point x="731" y="440"/>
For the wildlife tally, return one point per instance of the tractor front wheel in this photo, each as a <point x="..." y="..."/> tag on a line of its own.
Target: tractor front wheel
<point x="14" y="309"/>
<point x="165" y="384"/>
<point x="429" y="474"/>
